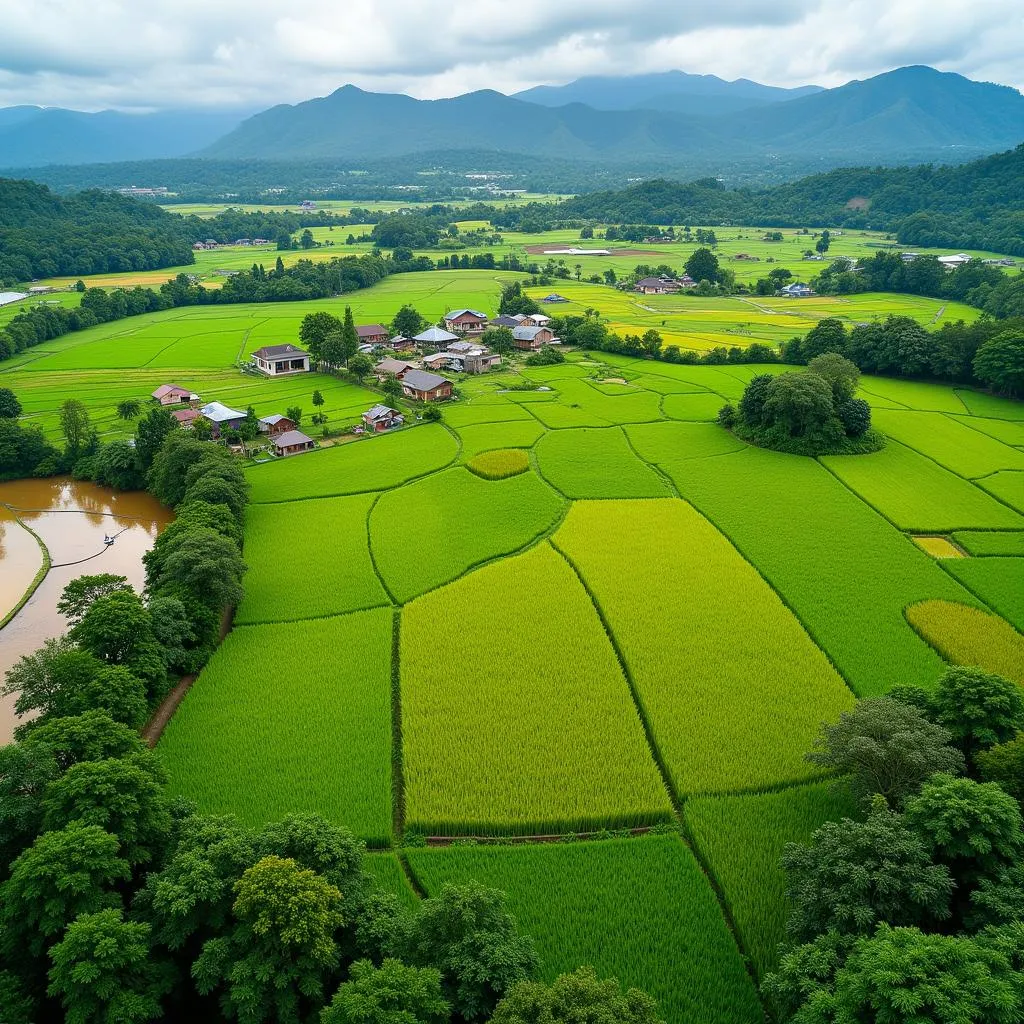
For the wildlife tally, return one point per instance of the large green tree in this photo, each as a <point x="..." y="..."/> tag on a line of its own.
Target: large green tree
<point x="390" y="994"/>
<point x="703" y="265"/>
<point x="75" y="426"/>
<point x="1000" y="363"/>
<point x="408" y="322"/>
<point x="103" y="971"/>
<point x="10" y="407"/>
<point x="799" y="404"/>
<point x="150" y="434"/>
<point x="314" y="328"/>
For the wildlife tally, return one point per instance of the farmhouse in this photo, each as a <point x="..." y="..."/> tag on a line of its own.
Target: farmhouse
<point x="221" y="417"/>
<point x="480" y="361"/>
<point x="796" y="290"/>
<point x="373" y="334"/>
<point x="276" y="424"/>
<point x="435" y="337"/>
<point x="292" y="442"/>
<point x="426" y="387"/>
<point x="381" y="417"/>
<point x="465" y="321"/>
<point x="400" y="343"/>
<point x="171" y="394"/>
<point x="438" y="360"/>
<point x="275" y="360"/>
<point x="531" y="337"/>
<point x="658" y="286"/>
<point x="399" y="367"/>
<point x="508" y="320"/>
<point x="186" y="417"/>
<point x="952" y="262"/>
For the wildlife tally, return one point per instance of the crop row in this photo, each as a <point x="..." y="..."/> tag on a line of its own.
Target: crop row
<point x="733" y="688"/>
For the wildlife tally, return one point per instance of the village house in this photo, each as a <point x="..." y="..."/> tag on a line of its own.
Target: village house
<point x="952" y="262"/>
<point x="292" y="442"/>
<point x="171" y="394"/>
<point x="400" y="343"/>
<point x="221" y="417"/>
<point x="438" y="360"/>
<point x="531" y="338"/>
<point x="276" y="360"/>
<point x="186" y="417"/>
<point x="796" y="290"/>
<point x="373" y="334"/>
<point x="465" y="321"/>
<point x="398" y="367"/>
<point x="508" y="320"/>
<point x="657" y="286"/>
<point x="381" y="417"/>
<point x="276" y="424"/>
<point x="426" y="387"/>
<point x="435" y="338"/>
<point x="480" y="361"/>
<point x="535" y="320"/>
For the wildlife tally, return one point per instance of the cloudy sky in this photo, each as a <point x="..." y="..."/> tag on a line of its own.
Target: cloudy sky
<point x="248" y="54"/>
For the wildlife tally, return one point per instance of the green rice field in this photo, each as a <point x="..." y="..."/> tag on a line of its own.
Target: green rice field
<point x="576" y="605"/>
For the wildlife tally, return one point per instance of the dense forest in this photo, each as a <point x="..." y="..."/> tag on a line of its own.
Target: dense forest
<point x="979" y="205"/>
<point x="93" y="232"/>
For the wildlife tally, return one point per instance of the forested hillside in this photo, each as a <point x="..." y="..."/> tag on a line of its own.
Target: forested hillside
<point x="93" y="232"/>
<point x="979" y="205"/>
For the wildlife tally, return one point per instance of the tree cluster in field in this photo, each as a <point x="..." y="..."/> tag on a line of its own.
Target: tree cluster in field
<point x="913" y="914"/>
<point x="119" y="902"/>
<point x="808" y="413"/>
<point x="989" y="352"/>
<point x="978" y="205"/>
<point x="93" y="232"/>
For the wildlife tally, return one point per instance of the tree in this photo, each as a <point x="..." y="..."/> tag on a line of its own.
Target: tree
<point x="650" y="342"/>
<point x="498" y="339"/>
<point x="1000" y="363"/>
<point x="360" y="366"/>
<point x="78" y="596"/>
<point x="390" y="994"/>
<point x="610" y="277"/>
<point x="249" y="428"/>
<point x="271" y="964"/>
<point x="117" y="466"/>
<point x="587" y="232"/>
<point x="842" y="375"/>
<point x="886" y="747"/>
<point x="467" y="932"/>
<point x="755" y="394"/>
<point x="123" y="796"/>
<point x="317" y="400"/>
<point x="314" y="329"/>
<point x="150" y="434"/>
<point x="332" y="348"/>
<point x="26" y="769"/>
<point x="799" y="404"/>
<point x="103" y="971"/>
<point x="973" y="827"/>
<point x="823" y="242"/>
<point x="284" y="241"/>
<point x="1004" y="763"/>
<point x="10" y="407"/>
<point x="854" y="875"/>
<point x="61" y="875"/>
<point x="129" y="409"/>
<point x="205" y="567"/>
<point x="407" y="322"/>
<point x="855" y="416"/>
<point x="703" y="265"/>
<point x="392" y="388"/>
<point x="306" y="239"/>
<point x="179" y="451"/>
<point x="114" y="627"/>
<point x="94" y="735"/>
<point x="575" y="997"/>
<point x="349" y="338"/>
<point x="75" y="426"/>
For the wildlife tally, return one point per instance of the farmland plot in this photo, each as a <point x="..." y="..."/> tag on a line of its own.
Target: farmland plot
<point x="484" y="437"/>
<point x="460" y="520"/>
<point x="289" y="718"/>
<point x="596" y="463"/>
<point x="368" y="465"/>
<point x="999" y="582"/>
<point x="515" y="714"/>
<point x="843" y="569"/>
<point x="733" y="688"/>
<point x="741" y="839"/>
<point x="1007" y="486"/>
<point x="308" y="560"/>
<point x="918" y="494"/>
<point x="387" y="874"/>
<point x="666" y="443"/>
<point x="692" y="407"/>
<point x="991" y="542"/>
<point x="636" y="909"/>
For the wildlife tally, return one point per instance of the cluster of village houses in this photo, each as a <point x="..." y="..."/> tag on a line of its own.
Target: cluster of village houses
<point x="456" y="346"/>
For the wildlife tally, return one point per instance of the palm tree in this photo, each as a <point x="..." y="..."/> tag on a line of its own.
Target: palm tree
<point x="129" y="409"/>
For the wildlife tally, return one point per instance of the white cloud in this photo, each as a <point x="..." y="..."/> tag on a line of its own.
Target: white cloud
<point x="230" y="53"/>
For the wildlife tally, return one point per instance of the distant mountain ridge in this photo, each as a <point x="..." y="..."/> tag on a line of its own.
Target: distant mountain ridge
<point x="911" y="112"/>
<point x="673" y="91"/>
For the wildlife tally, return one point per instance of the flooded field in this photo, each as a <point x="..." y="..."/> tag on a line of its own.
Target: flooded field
<point x="73" y="519"/>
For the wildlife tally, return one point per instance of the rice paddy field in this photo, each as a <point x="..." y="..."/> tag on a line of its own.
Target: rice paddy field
<point x="576" y="606"/>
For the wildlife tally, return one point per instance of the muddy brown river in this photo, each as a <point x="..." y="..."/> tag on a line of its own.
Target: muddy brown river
<point x="72" y="518"/>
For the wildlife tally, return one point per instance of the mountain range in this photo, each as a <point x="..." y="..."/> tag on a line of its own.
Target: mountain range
<point x="912" y="113"/>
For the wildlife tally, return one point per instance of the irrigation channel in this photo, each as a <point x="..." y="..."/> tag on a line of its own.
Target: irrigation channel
<point x="73" y="520"/>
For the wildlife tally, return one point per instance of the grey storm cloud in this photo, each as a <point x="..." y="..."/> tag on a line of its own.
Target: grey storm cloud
<point x="253" y="53"/>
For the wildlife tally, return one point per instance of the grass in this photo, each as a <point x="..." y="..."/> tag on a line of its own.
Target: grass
<point x="949" y="442"/>
<point x="291" y="718"/>
<point x="636" y="909"/>
<point x="371" y="464"/>
<point x="433" y="530"/>
<point x="991" y="542"/>
<point x="999" y="582"/>
<point x="499" y="464"/>
<point x="968" y="636"/>
<point x="917" y="494"/>
<point x="733" y="688"/>
<point x="308" y="560"/>
<point x="484" y="437"/>
<point x="1007" y="486"/>
<point x="386" y="871"/>
<point x="596" y="464"/>
<point x="515" y="714"/>
<point x="692" y="407"/>
<point x="839" y="565"/>
<point x="741" y="839"/>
